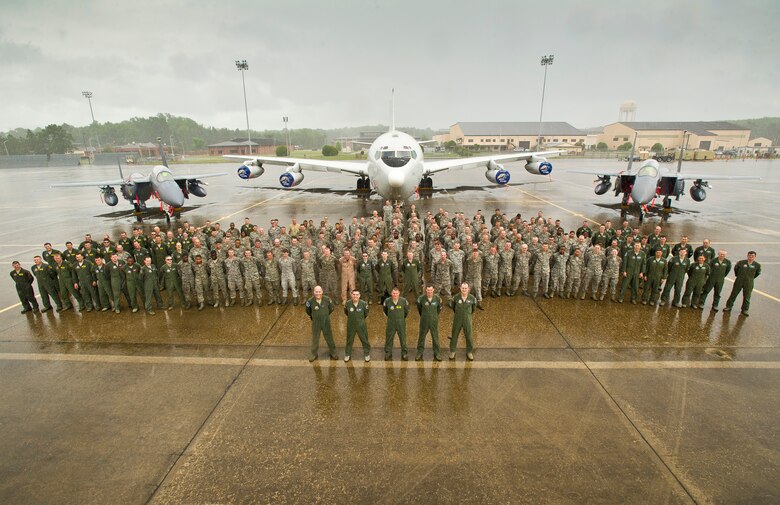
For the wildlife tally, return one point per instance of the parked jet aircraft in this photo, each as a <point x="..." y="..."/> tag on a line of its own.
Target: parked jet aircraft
<point x="651" y="181"/>
<point x="395" y="168"/>
<point x="169" y="189"/>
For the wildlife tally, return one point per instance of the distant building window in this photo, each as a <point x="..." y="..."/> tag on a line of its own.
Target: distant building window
<point x="471" y="140"/>
<point x="555" y="140"/>
<point x="615" y="139"/>
<point x="625" y="139"/>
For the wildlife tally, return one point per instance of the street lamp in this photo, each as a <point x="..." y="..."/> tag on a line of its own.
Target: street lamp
<point x="243" y="65"/>
<point x="173" y="155"/>
<point x="6" y="147"/>
<point x="88" y="95"/>
<point x="546" y="61"/>
<point x="287" y="134"/>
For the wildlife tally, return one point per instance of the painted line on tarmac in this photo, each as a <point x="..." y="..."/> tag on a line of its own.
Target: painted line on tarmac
<point x="359" y="363"/>
<point x="17" y="253"/>
<point x="576" y="214"/>
<point x="767" y="295"/>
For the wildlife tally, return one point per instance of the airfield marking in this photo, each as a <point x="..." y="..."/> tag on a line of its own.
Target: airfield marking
<point x="576" y="214"/>
<point x="19" y="252"/>
<point x="461" y="364"/>
<point x="759" y="292"/>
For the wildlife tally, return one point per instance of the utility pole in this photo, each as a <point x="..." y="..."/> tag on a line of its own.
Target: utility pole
<point x="546" y="61"/>
<point x="287" y="135"/>
<point x="243" y="65"/>
<point x="88" y="95"/>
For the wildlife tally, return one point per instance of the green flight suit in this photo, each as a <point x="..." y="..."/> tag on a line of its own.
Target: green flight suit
<point x="745" y="275"/>
<point x="133" y="284"/>
<point x="697" y="278"/>
<point x="67" y="278"/>
<point x="429" y="322"/>
<point x="718" y="272"/>
<point x="319" y="313"/>
<point x="655" y="271"/>
<point x="103" y="285"/>
<point x="150" y="281"/>
<point x="462" y="321"/>
<point x="46" y="275"/>
<point x="384" y="271"/>
<point x="365" y="271"/>
<point x="411" y="271"/>
<point x="23" y="280"/>
<point x="85" y="275"/>
<point x="356" y="323"/>
<point x="633" y="265"/>
<point x="396" y="313"/>
<point x="172" y="282"/>
<point x="675" y="278"/>
<point x="116" y="279"/>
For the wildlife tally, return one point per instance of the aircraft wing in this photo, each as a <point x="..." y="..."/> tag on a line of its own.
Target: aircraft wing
<point x="183" y="177"/>
<point x="685" y="176"/>
<point x="336" y="166"/>
<point x="432" y="167"/>
<point x="601" y="173"/>
<point x="113" y="182"/>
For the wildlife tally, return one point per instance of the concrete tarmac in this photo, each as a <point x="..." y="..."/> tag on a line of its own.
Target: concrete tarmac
<point x="568" y="401"/>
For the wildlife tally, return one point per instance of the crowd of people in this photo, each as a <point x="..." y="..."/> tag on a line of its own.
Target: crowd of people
<point x="496" y="255"/>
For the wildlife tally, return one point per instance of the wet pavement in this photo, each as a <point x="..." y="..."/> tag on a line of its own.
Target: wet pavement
<point x="569" y="401"/>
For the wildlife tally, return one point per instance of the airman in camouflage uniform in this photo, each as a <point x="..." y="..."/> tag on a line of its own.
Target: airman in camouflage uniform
<point x="252" y="268"/>
<point x="506" y="262"/>
<point x="474" y="273"/>
<point x="201" y="272"/>
<point x="542" y="271"/>
<point x="328" y="274"/>
<point x="558" y="271"/>
<point x="235" y="282"/>
<point x="308" y="274"/>
<point x="441" y="275"/>
<point x="574" y="269"/>
<point x="594" y="268"/>
<point x="187" y="277"/>
<point x="287" y="274"/>
<point x="458" y="257"/>
<point x="611" y="276"/>
<point x="217" y="276"/>
<point x="490" y="273"/>
<point x="522" y="269"/>
<point x="272" y="278"/>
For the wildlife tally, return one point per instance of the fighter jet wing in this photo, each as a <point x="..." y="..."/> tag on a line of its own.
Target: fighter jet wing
<point x="432" y="167"/>
<point x="336" y="166"/>
<point x="685" y="176"/>
<point x="182" y="177"/>
<point x="113" y="182"/>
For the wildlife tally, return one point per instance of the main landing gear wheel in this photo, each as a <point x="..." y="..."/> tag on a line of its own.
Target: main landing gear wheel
<point x="364" y="187"/>
<point x="425" y="188"/>
<point x="137" y="212"/>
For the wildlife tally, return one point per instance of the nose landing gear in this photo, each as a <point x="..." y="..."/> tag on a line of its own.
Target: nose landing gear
<point x="364" y="187"/>
<point x="425" y="188"/>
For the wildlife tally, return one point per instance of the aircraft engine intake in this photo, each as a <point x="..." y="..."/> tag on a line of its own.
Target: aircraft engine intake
<point x="538" y="165"/>
<point x="290" y="179"/>
<point x="497" y="174"/>
<point x="698" y="193"/>
<point x="250" y="170"/>
<point x="109" y="196"/>
<point x="196" y="188"/>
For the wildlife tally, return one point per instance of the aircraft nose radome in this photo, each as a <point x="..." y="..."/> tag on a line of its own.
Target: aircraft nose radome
<point x="172" y="196"/>
<point x="642" y="192"/>
<point x="395" y="178"/>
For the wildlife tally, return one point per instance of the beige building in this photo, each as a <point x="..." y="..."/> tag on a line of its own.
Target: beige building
<point x="509" y="136"/>
<point x="707" y="135"/>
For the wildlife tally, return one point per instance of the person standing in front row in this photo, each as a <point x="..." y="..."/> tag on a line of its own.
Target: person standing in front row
<point x="356" y="311"/>
<point x="396" y="309"/>
<point x="464" y="306"/>
<point x="23" y="280"/>
<point x="428" y="306"/>
<point x="318" y="309"/>
<point x="745" y="271"/>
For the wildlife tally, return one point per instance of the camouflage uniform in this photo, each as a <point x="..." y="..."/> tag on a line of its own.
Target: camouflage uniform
<point x="272" y="280"/>
<point x="507" y="259"/>
<point x="328" y="276"/>
<point x="611" y="276"/>
<point x="541" y="273"/>
<point x="201" y="285"/>
<point x="522" y="269"/>
<point x="441" y="275"/>
<point x="457" y="257"/>
<point x="558" y="273"/>
<point x="235" y="282"/>
<point x="594" y="268"/>
<point x="218" y="283"/>
<point x="573" y="275"/>
<point x="287" y="268"/>
<point x="474" y="275"/>
<point x="308" y="277"/>
<point x="187" y="281"/>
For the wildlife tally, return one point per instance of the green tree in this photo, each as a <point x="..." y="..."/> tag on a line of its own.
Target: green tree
<point x="338" y="146"/>
<point x="602" y="146"/>
<point x="626" y="146"/>
<point x="198" y="143"/>
<point x="657" y="148"/>
<point x="328" y="150"/>
<point x="450" y="145"/>
<point x="281" y="151"/>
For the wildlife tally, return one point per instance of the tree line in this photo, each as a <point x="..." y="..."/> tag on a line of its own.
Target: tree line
<point x="183" y="132"/>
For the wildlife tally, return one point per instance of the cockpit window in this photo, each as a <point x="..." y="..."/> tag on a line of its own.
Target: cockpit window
<point x="396" y="158"/>
<point x="648" y="170"/>
<point x="164" y="176"/>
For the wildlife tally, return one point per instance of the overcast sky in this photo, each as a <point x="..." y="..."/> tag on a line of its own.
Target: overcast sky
<point x="332" y="64"/>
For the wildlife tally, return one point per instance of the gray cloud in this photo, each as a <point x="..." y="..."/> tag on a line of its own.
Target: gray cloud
<point x="329" y="65"/>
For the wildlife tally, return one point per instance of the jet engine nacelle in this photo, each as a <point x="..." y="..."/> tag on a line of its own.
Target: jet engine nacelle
<point x="290" y="179"/>
<point x="195" y="188"/>
<point x="250" y="170"/>
<point x="109" y="196"/>
<point x="538" y="165"/>
<point x="698" y="193"/>
<point x="497" y="174"/>
<point x="602" y="187"/>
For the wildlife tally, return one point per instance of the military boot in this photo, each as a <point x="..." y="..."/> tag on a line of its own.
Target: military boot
<point x="200" y="306"/>
<point x="232" y="302"/>
<point x="295" y="301"/>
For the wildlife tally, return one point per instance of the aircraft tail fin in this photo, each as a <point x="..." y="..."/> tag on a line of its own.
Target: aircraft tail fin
<point x="162" y="152"/>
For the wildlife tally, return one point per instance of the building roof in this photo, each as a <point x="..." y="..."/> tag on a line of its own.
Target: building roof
<point x="702" y="128"/>
<point x="243" y="142"/>
<point x="518" y="128"/>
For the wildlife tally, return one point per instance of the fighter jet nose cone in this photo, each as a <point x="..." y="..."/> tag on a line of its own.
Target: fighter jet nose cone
<point x="395" y="178"/>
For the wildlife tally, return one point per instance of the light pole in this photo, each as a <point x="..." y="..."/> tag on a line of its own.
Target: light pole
<point x="6" y="147"/>
<point x="88" y="95"/>
<point x="546" y="61"/>
<point x="243" y="65"/>
<point x="173" y="155"/>
<point x="287" y="134"/>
